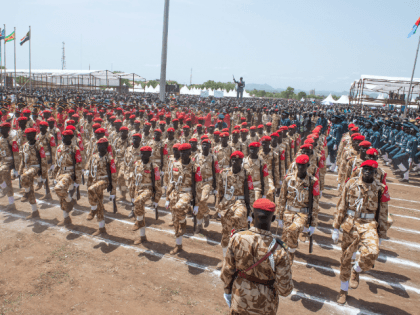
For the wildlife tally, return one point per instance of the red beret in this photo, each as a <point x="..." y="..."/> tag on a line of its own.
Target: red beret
<point x="158" y="130"/>
<point x="29" y="130"/>
<point x="175" y="119"/>
<point x="217" y="132"/>
<point x="127" y="113"/>
<point x="170" y="129"/>
<point x="137" y="135"/>
<point x="50" y="119"/>
<point x="254" y="144"/>
<point x="26" y="111"/>
<point x="22" y="118"/>
<point x="225" y="130"/>
<point x="46" y="111"/>
<point x="75" y="116"/>
<point x="307" y="146"/>
<point x="146" y="148"/>
<point x="261" y="126"/>
<point x="184" y="146"/>
<point x="243" y="118"/>
<point x="302" y="159"/>
<point x="370" y="163"/>
<point x="137" y="121"/>
<point x="96" y="126"/>
<point x="244" y="130"/>
<point x="237" y="127"/>
<point x="6" y="124"/>
<point x="360" y="137"/>
<point x="132" y="116"/>
<point x="102" y="140"/>
<point x="310" y="141"/>
<point x="199" y="125"/>
<point x="176" y="146"/>
<point x="224" y="134"/>
<point x="253" y="128"/>
<point x="119" y="108"/>
<point x="351" y="126"/>
<point x="186" y="127"/>
<point x="205" y="141"/>
<point x="355" y="129"/>
<point x="266" y="138"/>
<point x="365" y="143"/>
<point x="70" y="127"/>
<point x="292" y="127"/>
<point x="100" y="130"/>
<point x="244" y="124"/>
<point x="43" y="123"/>
<point x="162" y="122"/>
<point x="204" y="137"/>
<point x="71" y="111"/>
<point x="98" y="119"/>
<point x="123" y="128"/>
<point x="118" y="121"/>
<point x="268" y="124"/>
<point x="70" y="121"/>
<point x="67" y="132"/>
<point x="89" y="114"/>
<point x="313" y="136"/>
<point x="282" y="128"/>
<point x="372" y="151"/>
<point x="237" y="154"/>
<point x="274" y="134"/>
<point x="355" y="134"/>
<point x="147" y="123"/>
<point x="211" y="126"/>
<point x="188" y="119"/>
<point x="193" y="140"/>
<point x="113" y="117"/>
<point x="264" y="204"/>
<point x="235" y="131"/>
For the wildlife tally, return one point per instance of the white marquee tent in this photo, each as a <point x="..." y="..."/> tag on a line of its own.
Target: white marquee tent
<point x="328" y="101"/>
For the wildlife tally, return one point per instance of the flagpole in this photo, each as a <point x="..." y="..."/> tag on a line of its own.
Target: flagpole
<point x="411" y="82"/>
<point x="5" y="69"/>
<point x="30" y="40"/>
<point x="1" y="63"/>
<point x="15" y="54"/>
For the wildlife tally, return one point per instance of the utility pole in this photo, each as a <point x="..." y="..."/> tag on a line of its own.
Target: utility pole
<point x="164" y="52"/>
<point x="63" y="58"/>
<point x="191" y="78"/>
<point x="407" y="100"/>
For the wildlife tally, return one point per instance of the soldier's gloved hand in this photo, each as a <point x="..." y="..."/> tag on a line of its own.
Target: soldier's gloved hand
<point x="87" y="173"/>
<point x="155" y="205"/>
<point x="338" y="186"/>
<point x="215" y="192"/>
<point x="52" y="167"/>
<point x="76" y="185"/>
<point x="161" y="173"/>
<point x="335" y="236"/>
<point x="165" y="187"/>
<point x="16" y="173"/>
<point x="380" y="241"/>
<point x="311" y="230"/>
<point x="167" y="204"/>
<point x="43" y="180"/>
<point x="112" y="197"/>
<point x="409" y="161"/>
<point x="280" y="223"/>
<point x="195" y="210"/>
<point x="249" y="219"/>
<point x="335" y="147"/>
<point x="228" y="299"/>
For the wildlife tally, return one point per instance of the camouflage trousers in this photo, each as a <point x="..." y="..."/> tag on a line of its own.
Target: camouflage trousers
<point x="96" y="197"/>
<point x="322" y="173"/>
<point x="293" y="226"/>
<point x="62" y="187"/>
<point x="180" y="203"/>
<point x="143" y="196"/>
<point x="27" y="181"/>
<point x="121" y="175"/>
<point x="203" y="195"/>
<point x="5" y="177"/>
<point x="366" y="240"/>
<point x="235" y="217"/>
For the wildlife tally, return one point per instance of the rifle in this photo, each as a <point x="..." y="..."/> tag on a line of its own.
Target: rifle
<point x="213" y="171"/>
<point x="311" y="204"/>
<point x="154" y="190"/>
<point x="193" y="197"/>
<point x="13" y="162"/>
<point x="379" y="208"/>
<point x="262" y="179"/>
<point x="246" y="195"/>
<point x="109" y="188"/>
<point x="74" y="178"/>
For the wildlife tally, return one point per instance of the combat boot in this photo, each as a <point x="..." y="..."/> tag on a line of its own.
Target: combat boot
<point x="219" y="265"/>
<point x="11" y="207"/>
<point x="206" y="221"/>
<point x="91" y="215"/>
<point x="198" y="228"/>
<point x="342" y="297"/>
<point x="354" y="279"/>
<point x="34" y="214"/>
<point x="25" y="197"/>
<point x="100" y="231"/>
<point x="39" y="186"/>
<point x="136" y="226"/>
<point x="131" y="215"/>
<point x="140" y="240"/>
<point x="66" y="221"/>
<point x="176" y="250"/>
<point x="2" y="193"/>
<point x="46" y="197"/>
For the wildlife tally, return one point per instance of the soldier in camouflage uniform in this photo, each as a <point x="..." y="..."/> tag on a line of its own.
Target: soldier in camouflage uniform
<point x="9" y="160"/>
<point x="102" y="173"/>
<point x="130" y="158"/>
<point x="144" y="183"/>
<point x="362" y="214"/>
<point x="120" y="146"/>
<point x="293" y="207"/>
<point x="256" y="268"/>
<point x="234" y="207"/>
<point x="272" y="160"/>
<point x="185" y="177"/>
<point x="33" y="165"/>
<point x="67" y="174"/>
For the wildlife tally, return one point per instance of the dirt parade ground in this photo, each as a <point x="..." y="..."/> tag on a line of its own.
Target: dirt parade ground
<point x="47" y="269"/>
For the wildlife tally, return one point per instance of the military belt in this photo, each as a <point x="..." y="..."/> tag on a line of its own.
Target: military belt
<point x="208" y="179"/>
<point x="156" y="161"/>
<point x="185" y="189"/>
<point x="8" y="158"/>
<point x="294" y="209"/>
<point x="239" y="197"/>
<point x="68" y="168"/>
<point x="145" y="184"/>
<point x="35" y="165"/>
<point x="255" y="279"/>
<point x="367" y="216"/>
<point x="101" y="177"/>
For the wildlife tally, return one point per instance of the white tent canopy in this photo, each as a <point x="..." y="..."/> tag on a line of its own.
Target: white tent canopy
<point x="328" y="101"/>
<point x="344" y="99"/>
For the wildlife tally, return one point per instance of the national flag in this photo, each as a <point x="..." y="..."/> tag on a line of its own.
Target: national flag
<point x="10" y="37"/>
<point x="413" y="31"/>
<point x="1" y="34"/>
<point x="25" y="39"/>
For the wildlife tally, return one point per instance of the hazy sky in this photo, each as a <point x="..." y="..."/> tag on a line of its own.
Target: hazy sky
<point x="324" y="44"/>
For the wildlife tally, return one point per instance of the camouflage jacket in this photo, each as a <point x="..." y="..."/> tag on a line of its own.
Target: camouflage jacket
<point x="66" y="158"/>
<point x="141" y="179"/>
<point x="29" y="158"/>
<point x="98" y="170"/>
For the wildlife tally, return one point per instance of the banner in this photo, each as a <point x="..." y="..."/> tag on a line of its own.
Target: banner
<point x="204" y="94"/>
<point x="218" y="93"/>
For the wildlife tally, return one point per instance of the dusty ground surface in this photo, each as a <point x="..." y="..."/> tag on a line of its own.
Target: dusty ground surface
<point x="46" y="269"/>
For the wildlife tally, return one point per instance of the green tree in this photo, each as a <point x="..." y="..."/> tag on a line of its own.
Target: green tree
<point x="301" y="94"/>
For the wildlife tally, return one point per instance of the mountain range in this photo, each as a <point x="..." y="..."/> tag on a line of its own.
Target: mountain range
<point x="269" y="88"/>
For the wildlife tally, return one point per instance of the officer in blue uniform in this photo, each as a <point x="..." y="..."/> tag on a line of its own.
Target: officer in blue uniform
<point x="285" y="121"/>
<point x="322" y="121"/>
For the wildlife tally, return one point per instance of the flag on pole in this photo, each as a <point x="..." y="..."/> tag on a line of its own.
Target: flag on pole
<point x="413" y="31"/>
<point x="1" y="34"/>
<point x="25" y="39"/>
<point x="10" y="37"/>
